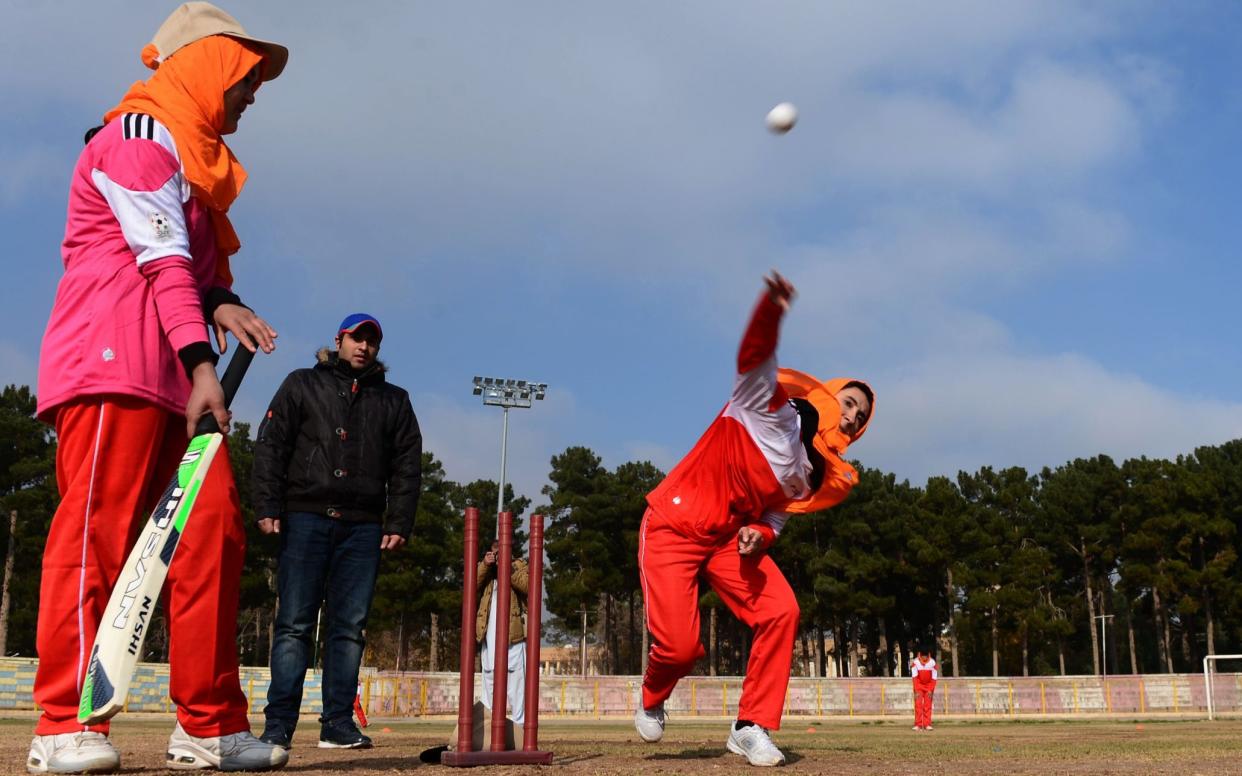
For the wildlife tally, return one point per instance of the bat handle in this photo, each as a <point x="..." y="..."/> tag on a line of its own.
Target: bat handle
<point x="231" y="381"/>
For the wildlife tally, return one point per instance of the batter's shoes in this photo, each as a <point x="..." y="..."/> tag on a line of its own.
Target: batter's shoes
<point x="82" y="752"/>
<point x="235" y="752"/>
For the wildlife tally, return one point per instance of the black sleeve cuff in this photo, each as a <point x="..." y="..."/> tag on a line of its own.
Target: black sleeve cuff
<point x="217" y="296"/>
<point x="194" y="354"/>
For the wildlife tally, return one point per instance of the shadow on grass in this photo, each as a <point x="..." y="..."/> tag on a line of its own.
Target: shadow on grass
<point x="709" y="753"/>
<point x="402" y="763"/>
<point x="575" y="758"/>
<point x="366" y="763"/>
<point x="702" y="753"/>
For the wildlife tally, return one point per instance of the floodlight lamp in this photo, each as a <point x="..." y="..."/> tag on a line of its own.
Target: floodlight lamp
<point x="478" y="390"/>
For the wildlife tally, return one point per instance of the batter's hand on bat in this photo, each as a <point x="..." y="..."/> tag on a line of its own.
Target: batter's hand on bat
<point x="206" y="396"/>
<point x="249" y="329"/>
<point x="780" y="290"/>
<point x="749" y="541"/>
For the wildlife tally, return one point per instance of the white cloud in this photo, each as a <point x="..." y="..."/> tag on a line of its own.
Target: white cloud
<point x="465" y="436"/>
<point x="946" y="415"/>
<point x="908" y="280"/>
<point x="662" y="457"/>
<point x="950" y="156"/>
<point x="1068" y="120"/>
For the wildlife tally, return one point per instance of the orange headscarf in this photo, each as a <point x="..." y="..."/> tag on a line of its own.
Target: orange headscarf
<point x="186" y="94"/>
<point x="839" y="476"/>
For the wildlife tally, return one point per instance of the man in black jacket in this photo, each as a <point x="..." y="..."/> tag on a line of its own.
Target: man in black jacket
<point x="337" y="473"/>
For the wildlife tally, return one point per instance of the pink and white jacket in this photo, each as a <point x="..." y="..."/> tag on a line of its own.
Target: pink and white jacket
<point x="140" y="259"/>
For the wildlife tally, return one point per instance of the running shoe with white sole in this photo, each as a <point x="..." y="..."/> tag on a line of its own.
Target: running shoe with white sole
<point x="82" y="752"/>
<point x="235" y="752"/>
<point x="650" y="723"/>
<point x="753" y="743"/>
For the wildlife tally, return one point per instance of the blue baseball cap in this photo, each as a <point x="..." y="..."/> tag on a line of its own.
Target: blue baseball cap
<point x="352" y="322"/>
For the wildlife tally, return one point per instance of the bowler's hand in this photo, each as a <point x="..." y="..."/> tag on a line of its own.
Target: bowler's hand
<point x="249" y="329"/>
<point x="392" y="541"/>
<point x="780" y="290"/>
<point x="269" y="525"/>
<point x="749" y="541"/>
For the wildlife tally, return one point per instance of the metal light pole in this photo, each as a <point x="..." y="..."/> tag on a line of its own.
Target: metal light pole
<point x="1104" y="618"/>
<point x="506" y="393"/>
<point x="504" y="450"/>
<point x="583" y="612"/>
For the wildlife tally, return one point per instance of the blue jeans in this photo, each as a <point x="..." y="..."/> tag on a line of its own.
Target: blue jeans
<point x="333" y="563"/>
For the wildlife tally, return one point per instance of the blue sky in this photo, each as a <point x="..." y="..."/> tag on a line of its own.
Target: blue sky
<point x="1017" y="220"/>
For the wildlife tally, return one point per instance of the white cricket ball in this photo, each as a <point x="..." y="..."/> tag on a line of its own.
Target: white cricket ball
<point x="782" y="118"/>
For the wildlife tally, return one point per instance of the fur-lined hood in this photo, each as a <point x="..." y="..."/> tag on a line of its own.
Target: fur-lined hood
<point x="328" y="357"/>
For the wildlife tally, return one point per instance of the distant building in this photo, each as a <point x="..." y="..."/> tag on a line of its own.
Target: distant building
<point x="567" y="660"/>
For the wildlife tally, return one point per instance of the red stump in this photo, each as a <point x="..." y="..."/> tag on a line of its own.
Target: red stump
<point x="530" y="753"/>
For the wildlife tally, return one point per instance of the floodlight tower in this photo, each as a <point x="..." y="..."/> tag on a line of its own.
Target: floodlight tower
<point x="505" y="393"/>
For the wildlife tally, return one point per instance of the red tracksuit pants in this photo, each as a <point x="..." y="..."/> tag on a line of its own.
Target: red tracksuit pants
<point x="922" y="707"/>
<point x="115" y="455"/>
<point x="754" y="590"/>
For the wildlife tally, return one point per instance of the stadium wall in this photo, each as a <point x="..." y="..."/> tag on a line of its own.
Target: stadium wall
<point x="411" y="694"/>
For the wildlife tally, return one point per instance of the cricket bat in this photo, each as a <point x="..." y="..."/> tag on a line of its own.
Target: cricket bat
<point x="123" y="629"/>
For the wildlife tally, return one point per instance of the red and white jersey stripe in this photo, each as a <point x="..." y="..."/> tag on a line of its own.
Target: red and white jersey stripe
<point x="750" y="461"/>
<point x="925" y="673"/>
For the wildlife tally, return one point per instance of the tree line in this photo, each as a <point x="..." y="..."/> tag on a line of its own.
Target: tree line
<point x="1085" y="567"/>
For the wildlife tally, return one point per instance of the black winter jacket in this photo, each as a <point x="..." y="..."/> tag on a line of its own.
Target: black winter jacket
<point x="341" y="443"/>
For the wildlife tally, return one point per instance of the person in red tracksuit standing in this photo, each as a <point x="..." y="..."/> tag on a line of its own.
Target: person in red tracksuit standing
<point x="923" y="669"/>
<point x="777" y="447"/>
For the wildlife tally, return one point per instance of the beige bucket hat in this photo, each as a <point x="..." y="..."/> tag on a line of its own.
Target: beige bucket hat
<point x="198" y="20"/>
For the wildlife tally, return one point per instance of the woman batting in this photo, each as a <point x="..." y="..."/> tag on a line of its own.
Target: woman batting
<point x="126" y="371"/>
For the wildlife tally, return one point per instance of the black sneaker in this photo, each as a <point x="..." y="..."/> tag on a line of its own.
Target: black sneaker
<point x="277" y="734"/>
<point x="342" y="734"/>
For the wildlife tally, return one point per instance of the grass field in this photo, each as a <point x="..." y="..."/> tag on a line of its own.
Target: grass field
<point x="697" y="747"/>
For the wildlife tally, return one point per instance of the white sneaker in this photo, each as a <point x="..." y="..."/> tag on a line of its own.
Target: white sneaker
<point x="236" y="752"/>
<point x="84" y="752"/>
<point x="650" y="723"/>
<point x="753" y="743"/>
